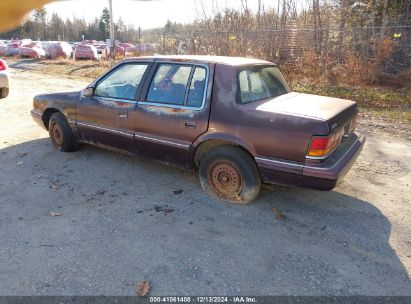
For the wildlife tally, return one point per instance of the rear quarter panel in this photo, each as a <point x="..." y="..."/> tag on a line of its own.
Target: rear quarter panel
<point x="274" y="135"/>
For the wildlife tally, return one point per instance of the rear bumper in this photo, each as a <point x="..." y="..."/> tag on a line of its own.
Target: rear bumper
<point x="321" y="176"/>
<point x="328" y="174"/>
<point x="38" y="118"/>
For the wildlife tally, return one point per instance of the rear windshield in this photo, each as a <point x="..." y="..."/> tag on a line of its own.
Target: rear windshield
<point x="260" y="82"/>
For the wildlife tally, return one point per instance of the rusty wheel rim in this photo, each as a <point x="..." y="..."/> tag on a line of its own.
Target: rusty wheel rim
<point x="225" y="179"/>
<point x="57" y="133"/>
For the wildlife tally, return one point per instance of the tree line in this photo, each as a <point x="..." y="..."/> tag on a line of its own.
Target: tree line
<point x="41" y="26"/>
<point x="316" y="14"/>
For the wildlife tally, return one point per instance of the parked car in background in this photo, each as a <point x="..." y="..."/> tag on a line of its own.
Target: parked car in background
<point x="120" y="51"/>
<point x="58" y="49"/>
<point x="86" y="51"/>
<point x="140" y="49"/>
<point x="100" y="48"/>
<point x="233" y="120"/>
<point x="32" y="50"/>
<point x="4" y="79"/>
<point x="13" y="49"/>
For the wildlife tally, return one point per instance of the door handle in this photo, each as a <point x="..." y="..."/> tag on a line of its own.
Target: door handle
<point x="123" y="114"/>
<point x="190" y="124"/>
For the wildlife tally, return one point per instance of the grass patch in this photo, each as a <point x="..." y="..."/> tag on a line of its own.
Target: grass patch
<point x="377" y="98"/>
<point x="81" y="68"/>
<point x="388" y="115"/>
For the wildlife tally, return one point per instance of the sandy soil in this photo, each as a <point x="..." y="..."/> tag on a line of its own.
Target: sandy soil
<point x="123" y="219"/>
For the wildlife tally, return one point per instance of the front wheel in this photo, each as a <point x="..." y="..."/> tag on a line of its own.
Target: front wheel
<point x="61" y="134"/>
<point x="230" y="174"/>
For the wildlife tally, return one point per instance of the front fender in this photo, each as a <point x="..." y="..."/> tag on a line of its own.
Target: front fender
<point x="63" y="102"/>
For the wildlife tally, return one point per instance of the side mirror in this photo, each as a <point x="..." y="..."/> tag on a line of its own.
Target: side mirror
<point x="89" y="92"/>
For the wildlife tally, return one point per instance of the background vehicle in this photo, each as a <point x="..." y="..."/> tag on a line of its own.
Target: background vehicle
<point x="58" y="49"/>
<point x="4" y="79"/>
<point x="31" y="50"/>
<point x="234" y="120"/>
<point x="86" y="51"/>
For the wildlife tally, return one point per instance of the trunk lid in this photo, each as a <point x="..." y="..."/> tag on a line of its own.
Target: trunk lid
<point x="336" y="112"/>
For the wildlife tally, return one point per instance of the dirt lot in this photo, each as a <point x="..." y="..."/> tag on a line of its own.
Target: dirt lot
<point x="124" y="219"/>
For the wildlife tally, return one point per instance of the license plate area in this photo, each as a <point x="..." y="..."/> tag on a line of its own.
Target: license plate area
<point x="349" y="128"/>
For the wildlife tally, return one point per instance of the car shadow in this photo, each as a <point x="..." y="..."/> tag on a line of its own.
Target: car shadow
<point x="22" y="64"/>
<point x="88" y="66"/>
<point x="119" y="218"/>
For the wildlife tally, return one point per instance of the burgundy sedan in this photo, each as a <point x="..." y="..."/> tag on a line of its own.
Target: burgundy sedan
<point x="233" y="120"/>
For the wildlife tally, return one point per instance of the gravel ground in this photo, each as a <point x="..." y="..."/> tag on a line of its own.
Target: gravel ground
<point x="123" y="219"/>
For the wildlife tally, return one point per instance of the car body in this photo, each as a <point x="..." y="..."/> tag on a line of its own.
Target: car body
<point x="32" y="50"/>
<point x="13" y="48"/>
<point x="229" y="110"/>
<point x="85" y="51"/>
<point x="58" y="49"/>
<point x="4" y="79"/>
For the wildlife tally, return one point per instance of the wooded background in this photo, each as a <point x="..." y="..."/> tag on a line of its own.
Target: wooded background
<point x="329" y="40"/>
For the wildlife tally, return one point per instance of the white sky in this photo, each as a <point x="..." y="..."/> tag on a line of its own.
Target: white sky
<point x="147" y="14"/>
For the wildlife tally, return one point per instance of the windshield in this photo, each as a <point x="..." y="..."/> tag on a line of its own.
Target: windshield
<point x="260" y="82"/>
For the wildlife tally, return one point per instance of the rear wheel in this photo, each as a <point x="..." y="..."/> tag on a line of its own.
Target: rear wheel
<point x="61" y="134"/>
<point x="4" y="92"/>
<point x="230" y="174"/>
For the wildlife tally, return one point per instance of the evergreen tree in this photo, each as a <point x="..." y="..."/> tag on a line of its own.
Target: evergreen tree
<point x="39" y="23"/>
<point x="40" y="15"/>
<point x="104" y="23"/>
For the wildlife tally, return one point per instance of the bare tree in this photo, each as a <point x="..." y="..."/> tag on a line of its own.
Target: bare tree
<point x="384" y="19"/>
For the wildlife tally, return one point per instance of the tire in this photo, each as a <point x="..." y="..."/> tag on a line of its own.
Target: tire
<point x="61" y="134"/>
<point x="4" y="92"/>
<point x="228" y="173"/>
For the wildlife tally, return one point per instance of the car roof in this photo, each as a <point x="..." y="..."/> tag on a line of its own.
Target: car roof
<point x="234" y="61"/>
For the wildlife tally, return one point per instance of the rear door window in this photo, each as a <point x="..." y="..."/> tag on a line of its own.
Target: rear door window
<point x="169" y="84"/>
<point x="197" y="87"/>
<point x="178" y="84"/>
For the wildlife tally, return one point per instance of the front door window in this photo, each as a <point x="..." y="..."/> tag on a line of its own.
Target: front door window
<point x="122" y="83"/>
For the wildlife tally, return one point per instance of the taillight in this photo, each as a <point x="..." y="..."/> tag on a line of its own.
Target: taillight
<point x="321" y="146"/>
<point x="3" y="65"/>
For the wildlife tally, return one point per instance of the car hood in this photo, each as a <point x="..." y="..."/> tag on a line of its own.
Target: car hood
<point x="57" y="96"/>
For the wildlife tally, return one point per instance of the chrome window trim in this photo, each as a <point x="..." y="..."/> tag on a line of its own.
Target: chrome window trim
<point x="168" y="105"/>
<point x="116" y="99"/>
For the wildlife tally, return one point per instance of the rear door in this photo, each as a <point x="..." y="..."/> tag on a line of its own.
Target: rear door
<point x="108" y="117"/>
<point x="174" y="110"/>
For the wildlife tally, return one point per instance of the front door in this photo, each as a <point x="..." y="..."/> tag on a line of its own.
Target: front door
<point x="108" y="117"/>
<point x="174" y="110"/>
